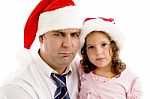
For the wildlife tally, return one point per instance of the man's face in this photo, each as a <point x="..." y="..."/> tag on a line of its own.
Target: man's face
<point x="59" y="47"/>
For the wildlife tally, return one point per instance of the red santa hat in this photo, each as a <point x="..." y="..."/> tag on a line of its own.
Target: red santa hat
<point x="50" y="15"/>
<point x="102" y="24"/>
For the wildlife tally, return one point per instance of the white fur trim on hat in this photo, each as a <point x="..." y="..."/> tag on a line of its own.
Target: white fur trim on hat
<point x="24" y="56"/>
<point x="67" y="17"/>
<point x="101" y="25"/>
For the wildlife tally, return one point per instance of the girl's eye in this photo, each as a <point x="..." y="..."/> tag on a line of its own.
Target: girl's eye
<point x="104" y="44"/>
<point x="90" y="47"/>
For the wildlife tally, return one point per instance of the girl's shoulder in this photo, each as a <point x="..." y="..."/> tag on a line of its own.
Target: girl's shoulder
<point x="128" y="73"/>
<point x="127" y="77"/>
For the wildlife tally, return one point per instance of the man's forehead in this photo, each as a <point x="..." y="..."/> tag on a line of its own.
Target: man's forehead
<point x="68" y="30"/>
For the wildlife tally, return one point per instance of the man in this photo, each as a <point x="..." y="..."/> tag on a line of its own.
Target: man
<point x="52" y="73"/>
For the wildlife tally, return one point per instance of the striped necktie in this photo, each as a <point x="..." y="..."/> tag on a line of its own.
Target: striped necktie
<point x="61" y="91"/>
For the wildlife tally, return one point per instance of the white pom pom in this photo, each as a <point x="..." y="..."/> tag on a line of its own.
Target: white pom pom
<point x="24" y="56"/>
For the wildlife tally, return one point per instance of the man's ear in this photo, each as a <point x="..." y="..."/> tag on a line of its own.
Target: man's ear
<point x="41" y="38"/>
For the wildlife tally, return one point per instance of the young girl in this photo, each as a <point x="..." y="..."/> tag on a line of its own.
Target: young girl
<point x="104" y="75"/>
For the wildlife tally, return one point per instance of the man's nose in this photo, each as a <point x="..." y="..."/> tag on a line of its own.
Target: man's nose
<point x="67" y="42"/>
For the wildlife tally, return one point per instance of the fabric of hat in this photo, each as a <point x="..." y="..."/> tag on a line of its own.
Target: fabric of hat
<point x="51" y="15"/>
<point x="102" y="24"/>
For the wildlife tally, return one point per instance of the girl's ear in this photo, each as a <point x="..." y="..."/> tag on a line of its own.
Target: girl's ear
<point x="110" y="52"/>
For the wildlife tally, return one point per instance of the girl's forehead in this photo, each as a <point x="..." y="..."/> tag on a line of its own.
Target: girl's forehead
<point x="97" y="36"/>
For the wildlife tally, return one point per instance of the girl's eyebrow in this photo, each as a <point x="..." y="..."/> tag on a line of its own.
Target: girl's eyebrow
<point x="105" y="42"/>
<point x="100" y="43"/>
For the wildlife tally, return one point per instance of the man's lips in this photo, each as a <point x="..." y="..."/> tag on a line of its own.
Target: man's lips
<point x="65" y="54"/>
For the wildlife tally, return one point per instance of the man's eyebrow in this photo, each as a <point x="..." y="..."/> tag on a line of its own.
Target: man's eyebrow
<point x="77" y="32"/>
<point x="58" y="31"/>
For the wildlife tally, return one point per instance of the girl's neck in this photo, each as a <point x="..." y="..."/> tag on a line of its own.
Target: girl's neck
<point x="104" y="71"/>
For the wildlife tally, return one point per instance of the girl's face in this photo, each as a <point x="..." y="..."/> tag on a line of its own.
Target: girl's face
<point x="98" y="49"/>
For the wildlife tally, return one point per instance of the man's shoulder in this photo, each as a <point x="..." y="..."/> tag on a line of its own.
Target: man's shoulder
<point x="22" y="80"/>
<point x="23" y="74"/>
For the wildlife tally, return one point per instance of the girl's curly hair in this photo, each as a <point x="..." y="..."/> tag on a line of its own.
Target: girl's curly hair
<point x="117" y="65"/>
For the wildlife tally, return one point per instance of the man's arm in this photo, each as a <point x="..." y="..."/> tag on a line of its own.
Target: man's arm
<point x="14" y="92"/>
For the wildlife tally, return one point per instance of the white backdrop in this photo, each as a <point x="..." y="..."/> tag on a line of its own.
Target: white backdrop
<point x="131" y="15"/>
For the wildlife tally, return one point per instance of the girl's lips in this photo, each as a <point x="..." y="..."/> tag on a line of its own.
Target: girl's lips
<point x="100" y="59"/>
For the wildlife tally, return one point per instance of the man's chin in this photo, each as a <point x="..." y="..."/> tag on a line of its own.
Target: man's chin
<point x="66" y="61"/>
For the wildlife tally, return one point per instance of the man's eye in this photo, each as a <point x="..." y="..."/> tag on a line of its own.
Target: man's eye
<point x="58" y="34"/>
<point x="75" y="34"/>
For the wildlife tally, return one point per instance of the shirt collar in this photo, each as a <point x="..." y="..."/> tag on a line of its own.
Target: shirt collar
<point x="45" y="68"/>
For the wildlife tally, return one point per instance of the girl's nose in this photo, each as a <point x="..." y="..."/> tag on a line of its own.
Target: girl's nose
<point x="99" y="50"/>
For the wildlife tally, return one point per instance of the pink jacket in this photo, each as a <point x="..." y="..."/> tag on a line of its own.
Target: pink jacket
<point x="126" y="86"/>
